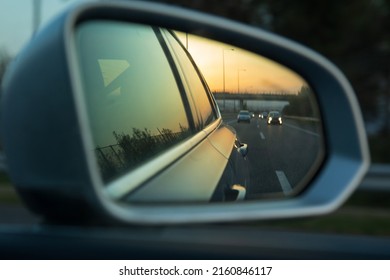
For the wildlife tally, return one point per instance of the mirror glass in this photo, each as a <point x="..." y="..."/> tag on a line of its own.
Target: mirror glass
<point x="155" y="99"/>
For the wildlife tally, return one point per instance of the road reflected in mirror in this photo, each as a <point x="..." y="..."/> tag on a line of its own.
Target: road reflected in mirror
<point x="176" y="118"/>
<point x="273" y="111"/>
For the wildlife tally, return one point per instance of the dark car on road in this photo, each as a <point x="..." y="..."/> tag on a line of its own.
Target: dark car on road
<point x="244" y="116"/>
<point x="274" y="117"/>
<point x="263" y="115"/>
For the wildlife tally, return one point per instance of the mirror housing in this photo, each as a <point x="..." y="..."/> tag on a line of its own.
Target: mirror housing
<point x="47" y="143"/>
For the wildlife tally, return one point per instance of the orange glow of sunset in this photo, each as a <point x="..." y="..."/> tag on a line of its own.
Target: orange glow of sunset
<point x="237" y="70"/>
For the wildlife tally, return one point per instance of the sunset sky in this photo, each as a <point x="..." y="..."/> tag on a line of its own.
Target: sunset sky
<point x="244" y="71"/>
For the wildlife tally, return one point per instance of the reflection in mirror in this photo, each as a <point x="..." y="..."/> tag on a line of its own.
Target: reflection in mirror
<point x="283" y="130"/>
<point x="152" y="98"/>
<point x="131" y="121"/>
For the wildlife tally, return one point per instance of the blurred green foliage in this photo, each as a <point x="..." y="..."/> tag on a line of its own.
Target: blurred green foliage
<point x="365" y="213"/>
<point x="380" y="148"/>
<point x="8" y="193"/>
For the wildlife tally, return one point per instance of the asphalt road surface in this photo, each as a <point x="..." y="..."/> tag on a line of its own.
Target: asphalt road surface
<point x="281" y="157"/>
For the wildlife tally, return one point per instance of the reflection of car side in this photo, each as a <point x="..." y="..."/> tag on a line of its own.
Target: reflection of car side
<point x="274" y="117"/>
<point x="244" y="116"/>
<point x="177" y="126"/>
<point x="148" y="159"/>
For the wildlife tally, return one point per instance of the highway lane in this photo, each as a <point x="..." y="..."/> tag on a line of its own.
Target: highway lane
<point x="280" y="156"/>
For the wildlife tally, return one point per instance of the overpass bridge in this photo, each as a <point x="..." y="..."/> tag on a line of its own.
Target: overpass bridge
<point x="251" y="96"/>
<point x="233" y="102"/>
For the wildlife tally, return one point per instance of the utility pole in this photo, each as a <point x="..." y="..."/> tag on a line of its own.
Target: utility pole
<point x="37" y="4"/>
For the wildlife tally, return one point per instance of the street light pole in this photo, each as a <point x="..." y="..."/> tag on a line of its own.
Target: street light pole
<point x="36" y="14"/>
<point x="223" y="74"/>
<point x="223" y="66"/>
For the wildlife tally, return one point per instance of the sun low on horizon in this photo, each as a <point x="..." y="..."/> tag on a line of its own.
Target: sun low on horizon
<point x="229" y="69"/>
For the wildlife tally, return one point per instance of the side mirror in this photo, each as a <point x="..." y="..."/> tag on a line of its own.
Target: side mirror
<point x="106" y="114"/>
<point x="243" y="149"/>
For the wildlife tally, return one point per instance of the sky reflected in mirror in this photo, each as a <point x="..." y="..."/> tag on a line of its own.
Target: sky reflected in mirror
<point x="235" y="70"/>
<point x="154" y="97"/>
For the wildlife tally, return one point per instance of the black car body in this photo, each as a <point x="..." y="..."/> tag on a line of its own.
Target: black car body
<point x="274" y="117"/>
<point x="244" y="116"/>
<point x="263" y="115"/>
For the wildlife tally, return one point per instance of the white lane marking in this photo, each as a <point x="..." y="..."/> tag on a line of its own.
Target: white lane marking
<point x="262" y="135"/>
<point x="284" y="183"/>
<point x="301" y="129"/>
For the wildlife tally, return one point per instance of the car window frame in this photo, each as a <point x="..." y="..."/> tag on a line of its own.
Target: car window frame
<point x="135" y="178"/>
<point x="211" y="101"/>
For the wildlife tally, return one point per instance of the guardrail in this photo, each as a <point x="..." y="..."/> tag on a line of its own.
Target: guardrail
<point x="3" y="163"/>
<point x="376" y="179"/>
<point x="301" y="118"/>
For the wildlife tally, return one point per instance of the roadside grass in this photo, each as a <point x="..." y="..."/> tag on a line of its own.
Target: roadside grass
<point x="308" y="120"/>
<point x="379" y="148"/>
<point x="343" y="221"/>
<point x="8" y="193"/>
<point x="363" y="214"/>
<point x="4" y="178"/>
